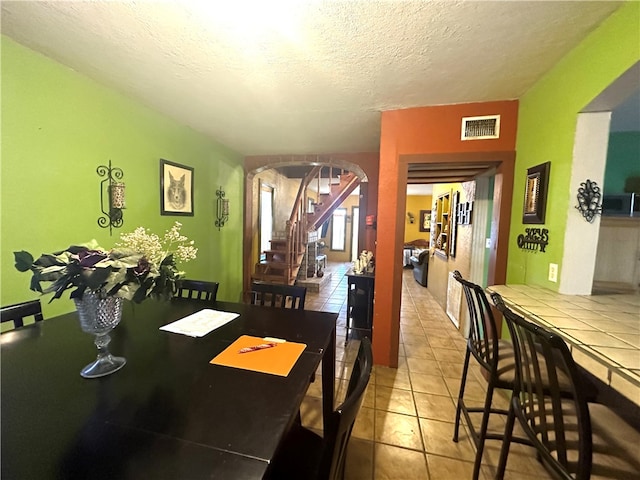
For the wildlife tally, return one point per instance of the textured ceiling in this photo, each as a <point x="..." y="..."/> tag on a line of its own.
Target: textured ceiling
<point x="301" y="76"/>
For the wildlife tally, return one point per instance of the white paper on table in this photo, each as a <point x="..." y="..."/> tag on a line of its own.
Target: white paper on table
<point x="200" y="323"/>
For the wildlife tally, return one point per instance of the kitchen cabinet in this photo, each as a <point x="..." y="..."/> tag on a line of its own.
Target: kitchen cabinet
<point x="618" y="256"/>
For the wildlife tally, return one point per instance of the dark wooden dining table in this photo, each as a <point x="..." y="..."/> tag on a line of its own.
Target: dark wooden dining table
<point x="168" y="413"/>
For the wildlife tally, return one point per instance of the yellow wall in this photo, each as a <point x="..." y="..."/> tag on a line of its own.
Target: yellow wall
<point x="415" y="203"/>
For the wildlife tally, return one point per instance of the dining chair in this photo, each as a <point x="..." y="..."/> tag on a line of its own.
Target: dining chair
<point x="198" y="290"/>
<point x="305" y="454"/>
<point x="18" y="312"/>
<point x="276" y="295"/>
<point x="496" y="360"/>
<point x="574" y="439"/>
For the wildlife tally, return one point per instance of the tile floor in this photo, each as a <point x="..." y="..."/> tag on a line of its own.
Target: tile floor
<point x="405" y="427"/>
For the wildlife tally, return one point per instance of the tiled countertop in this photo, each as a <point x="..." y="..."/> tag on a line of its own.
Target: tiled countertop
<point x="603" y="331"/>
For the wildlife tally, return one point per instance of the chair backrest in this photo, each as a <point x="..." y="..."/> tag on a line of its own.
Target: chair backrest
<point x="18" y="312"/>
<point x="483" y="338"/>
<point x="198" y="290"/>
<point x="340" y="424"/>
<point x="556" y="421"/>
<point x="275" y="295"/>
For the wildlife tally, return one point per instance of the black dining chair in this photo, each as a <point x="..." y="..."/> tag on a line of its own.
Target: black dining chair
<point x="18" y="312"/>
<point x="276" y="295"/>
<point x="574" y="439"/>
<point x="197" y="290"/>
<point x="496" y="360"/>
<point x="307" y="455"/>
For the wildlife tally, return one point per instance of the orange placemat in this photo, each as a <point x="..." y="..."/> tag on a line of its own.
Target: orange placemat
<point x="278" y="360"/>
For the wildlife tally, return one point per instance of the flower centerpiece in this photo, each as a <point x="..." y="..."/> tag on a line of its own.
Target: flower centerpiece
<point x="141" y="265"/>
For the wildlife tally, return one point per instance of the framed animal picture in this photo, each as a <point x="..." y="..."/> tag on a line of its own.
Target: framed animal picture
<point x="176" y="189"/>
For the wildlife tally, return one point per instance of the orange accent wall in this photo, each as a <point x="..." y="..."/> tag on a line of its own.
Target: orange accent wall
<point x="426" y="135"/>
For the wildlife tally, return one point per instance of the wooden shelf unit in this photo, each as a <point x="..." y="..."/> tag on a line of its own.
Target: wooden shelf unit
<point x="442" y="224"/>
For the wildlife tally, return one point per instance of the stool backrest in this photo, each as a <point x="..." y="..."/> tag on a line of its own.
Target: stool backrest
<point x="483" y="337"/>
<point x="553" y="414"/>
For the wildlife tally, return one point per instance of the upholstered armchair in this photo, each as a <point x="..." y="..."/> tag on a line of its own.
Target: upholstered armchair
<point x="420" y="263"/>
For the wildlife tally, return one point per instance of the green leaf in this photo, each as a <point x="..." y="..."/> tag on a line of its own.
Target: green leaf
<point x="24" y="260"/>
<point x="94" y="279"/>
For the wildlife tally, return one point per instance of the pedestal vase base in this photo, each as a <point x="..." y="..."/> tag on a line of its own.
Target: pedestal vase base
<point x="103" y="366"/>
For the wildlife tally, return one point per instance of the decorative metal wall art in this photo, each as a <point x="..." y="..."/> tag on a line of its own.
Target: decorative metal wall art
<point x="111" y="197"/>
<point x="534" y="239"/>
<point x="589" y="200"/>
<point x="222" y="209"/>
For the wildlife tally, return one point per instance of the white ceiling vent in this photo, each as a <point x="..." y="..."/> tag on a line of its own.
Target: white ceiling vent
<point x="479" y="128"/>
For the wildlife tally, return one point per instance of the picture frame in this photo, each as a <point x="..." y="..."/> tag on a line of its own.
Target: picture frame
<point x="176" y="189"/>
<point x="535" y="194"/>
<point x="425" y="221"/>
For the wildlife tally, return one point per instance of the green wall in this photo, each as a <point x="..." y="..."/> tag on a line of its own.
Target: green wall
<point x="546" y="128"/>
<point x="623" y="160"/>
<point x="57" y="127"/>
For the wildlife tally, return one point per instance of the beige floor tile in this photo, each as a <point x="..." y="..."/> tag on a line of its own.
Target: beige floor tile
<point x="422" y="350"/>
<point x="421" y="382"/>
<point x="363" y="427"/>
<point x="369" y="399"/>
<point x="449" y="355"/>
<point x="393" y="463"/>
<point x="521" y="459"/>
<point x="436" y="407"/>
<point x="311" y="412"/>
<point x="444" y="342"/>
<point x="444" y="468"/>
<point x="393" y="377"/>
<point x="395" y="400"/>
<point x="397" y="429"/>
<point x="438" y="440"/>
<point x="359" y="460"/>
<point x="451" y="370"/>
<point x="423" y="365"/>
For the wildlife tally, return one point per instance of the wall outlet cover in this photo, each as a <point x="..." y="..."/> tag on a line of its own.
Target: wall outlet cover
<point x="553" y="272"/>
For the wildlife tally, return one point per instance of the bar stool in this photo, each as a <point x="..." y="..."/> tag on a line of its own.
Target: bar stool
<point x="496" y="359"/>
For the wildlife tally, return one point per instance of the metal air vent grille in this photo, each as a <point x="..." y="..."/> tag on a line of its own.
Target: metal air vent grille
<point x="478" y="128"/>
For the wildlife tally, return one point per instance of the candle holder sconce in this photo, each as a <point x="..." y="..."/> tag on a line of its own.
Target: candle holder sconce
<point x="589" y="200"/>
<point x="111" y="197"/>
<point x="222" y="209"/>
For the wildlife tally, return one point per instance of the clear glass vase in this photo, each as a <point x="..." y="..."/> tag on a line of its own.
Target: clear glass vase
<point x="99" y="314"/>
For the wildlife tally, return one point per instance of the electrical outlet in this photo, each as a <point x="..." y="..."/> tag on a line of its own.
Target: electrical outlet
<point x="487" y="243"/>
<point x="553" y="272"/>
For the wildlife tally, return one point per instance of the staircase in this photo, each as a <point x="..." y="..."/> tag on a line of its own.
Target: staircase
<point x="328" y="202"/>
<point x="282" y="262"/>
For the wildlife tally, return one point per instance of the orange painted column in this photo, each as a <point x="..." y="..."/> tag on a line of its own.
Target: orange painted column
<point x="420" y="135"/>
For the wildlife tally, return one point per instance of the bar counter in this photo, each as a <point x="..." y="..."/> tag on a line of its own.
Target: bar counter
<point x="603" y="331"/>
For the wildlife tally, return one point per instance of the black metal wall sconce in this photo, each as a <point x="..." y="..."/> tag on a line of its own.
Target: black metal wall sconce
<point x="111" y="197"/>
<point x="222" y="209"/>
<point x="589" y="200"/>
